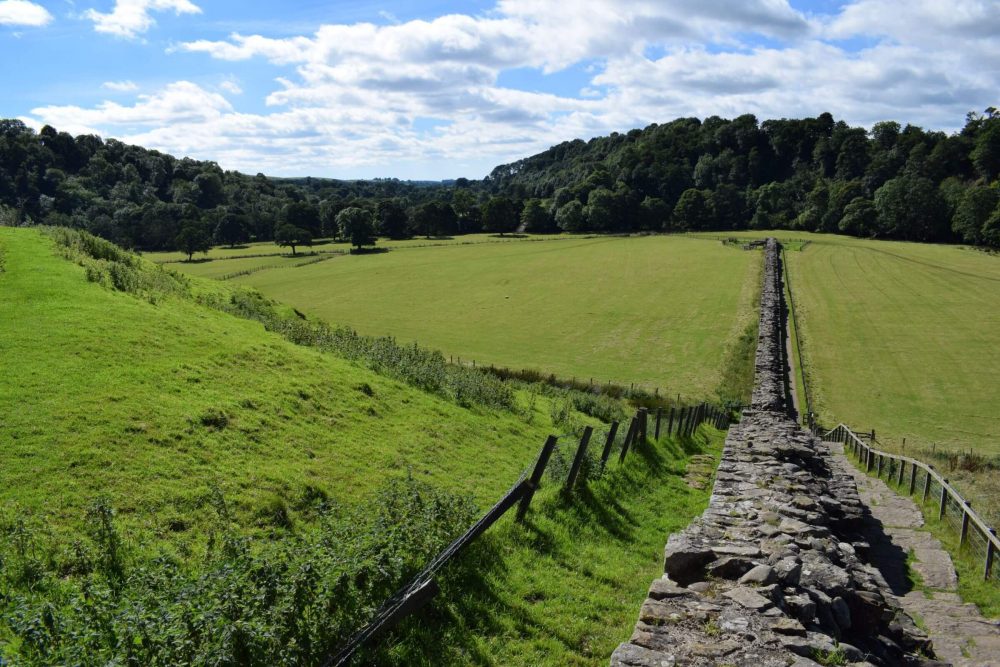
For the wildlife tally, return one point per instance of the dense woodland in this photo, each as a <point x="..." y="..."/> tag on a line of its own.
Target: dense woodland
<point x="814" y="174"/>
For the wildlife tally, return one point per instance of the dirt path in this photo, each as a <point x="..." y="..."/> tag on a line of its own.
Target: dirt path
<point x="960" y="634"/>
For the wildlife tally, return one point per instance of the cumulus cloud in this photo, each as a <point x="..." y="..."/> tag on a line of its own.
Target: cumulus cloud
<point x="363" y="99"/>
<point x="23" y="13"/>
<point x="120" y="86"/>
<point x="131" y="18"/>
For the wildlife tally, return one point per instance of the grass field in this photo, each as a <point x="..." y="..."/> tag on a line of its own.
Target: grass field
<point x="154" y="404"/>
<point x="104" y="394"/>
<point x="656" y="311"/>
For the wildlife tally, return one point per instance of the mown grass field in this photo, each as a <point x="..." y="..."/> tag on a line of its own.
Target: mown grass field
<point x="656" y="311"/>
<point x="105" y="394"/>
<point x="900" y="337"/>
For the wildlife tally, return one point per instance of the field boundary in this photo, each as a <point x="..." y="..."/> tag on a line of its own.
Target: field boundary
<point x="422" y="588"/>
<point x="956" y="511"/>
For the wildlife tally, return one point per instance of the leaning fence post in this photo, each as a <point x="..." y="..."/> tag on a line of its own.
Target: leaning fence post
<point x="581" y="451"/>
<point x="944" y="499"/>
<point x="659" y="416"/>
<point x="670" y="423"/>
<point x="536" y="476"/>
<point x="988" y="565"/>
<point x="629" y="437"/>
<point x="962" y="536"/>
<point x="608" y="444"/>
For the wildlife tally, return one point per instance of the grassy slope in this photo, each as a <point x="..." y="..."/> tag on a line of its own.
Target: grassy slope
<point x="657" y="311"/>
<point x="105" y="394"/>
<point x="565" y="588"/>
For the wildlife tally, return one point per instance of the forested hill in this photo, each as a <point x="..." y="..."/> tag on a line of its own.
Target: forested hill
<point x="814" y="174"/>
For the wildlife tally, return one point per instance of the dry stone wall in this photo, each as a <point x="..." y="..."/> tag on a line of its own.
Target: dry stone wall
<point x="774" y="571"/>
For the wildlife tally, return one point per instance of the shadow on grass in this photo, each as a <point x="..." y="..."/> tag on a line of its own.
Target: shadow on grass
<point x="476" y="607"/>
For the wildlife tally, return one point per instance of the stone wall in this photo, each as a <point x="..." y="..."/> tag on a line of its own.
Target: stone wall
<point x="774" y="571"/>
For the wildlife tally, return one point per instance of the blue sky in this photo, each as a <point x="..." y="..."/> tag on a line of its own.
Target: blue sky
<point x="429" y="90"/>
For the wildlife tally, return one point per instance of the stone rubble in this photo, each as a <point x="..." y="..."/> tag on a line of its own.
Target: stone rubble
<point x="773" y="572"/>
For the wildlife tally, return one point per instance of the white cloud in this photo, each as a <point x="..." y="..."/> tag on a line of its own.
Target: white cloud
<point x="130" y="18"/>
<point x="120" y="86"/>
<point x="22" y="12"/>
<point x="231" y="87"/>
<point x="426" y="96"/>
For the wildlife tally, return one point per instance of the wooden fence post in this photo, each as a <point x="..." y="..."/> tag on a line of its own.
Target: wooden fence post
<point x="629" y="437"/>
<point x="988" y="565"/>
<point x="878" y="466"/>
<point x="963" y="536"/>
<point x="680" y="420"/>
<point x="902" y="467"/>
<point x="913" y="478"/>
<point x="927" y="487"/>
<point x="643" y="426"/>
<point x="608" y="444"/>
<point x="659" y="417"/>
<point x="868" y="459"/>
<point x="536" y="476"/>
<point x="944" y="500"/>
<point x="581" y="451"/>
<point x="670" y="423"/>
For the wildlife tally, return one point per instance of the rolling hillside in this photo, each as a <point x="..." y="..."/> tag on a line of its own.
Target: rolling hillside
<point x="153" y="406"/>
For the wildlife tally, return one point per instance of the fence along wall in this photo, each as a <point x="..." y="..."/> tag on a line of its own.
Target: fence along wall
<point x="914" y="477"/>
<point x="773" y="572"/>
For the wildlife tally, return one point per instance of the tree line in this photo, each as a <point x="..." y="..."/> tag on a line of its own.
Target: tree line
<point x="811" y="174"/>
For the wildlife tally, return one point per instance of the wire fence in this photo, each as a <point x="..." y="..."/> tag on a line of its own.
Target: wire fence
<point x="575" y="463"/>
<point x="931" y="491"/>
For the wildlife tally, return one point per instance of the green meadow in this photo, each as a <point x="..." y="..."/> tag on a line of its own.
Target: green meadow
<point x="655" y="311"/>
<point x="166" y="463"/>
<point x="153" y="406"/>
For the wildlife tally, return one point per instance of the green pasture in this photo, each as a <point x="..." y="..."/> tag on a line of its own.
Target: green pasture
<point x="657" y="311"/>
<point x="153" y="406"/>
<point x="902" y="338"/>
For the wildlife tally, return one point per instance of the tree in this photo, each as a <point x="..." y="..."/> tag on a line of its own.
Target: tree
<point x="231" y="228"/>
<point x="435" y="218"/>
<point x="535" y="219"/>
<point x="357" y="225"/>
<point x="391" y="219"/>
<point x="911" y="208"/>
<point x="860" y="218"/>
<point x="693" y="210"/>
<point x="653" y="214"/>
<point x="500" y="215"/>
<point x="601" y="209"/>
<point x="193" y="238"/>
<point x="570" y="217"/>
<point x="986" y="154"/>
<point x="972" y="212"/>
<point x="302" y="215"/>
<point x="290" y="235"/>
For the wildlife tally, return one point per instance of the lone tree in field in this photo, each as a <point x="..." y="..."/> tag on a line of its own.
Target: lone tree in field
<point x="290" y="235"/>
<point x="501" y="215"/>
<point x="193" y="238"/>
<point x="358" y="225"/>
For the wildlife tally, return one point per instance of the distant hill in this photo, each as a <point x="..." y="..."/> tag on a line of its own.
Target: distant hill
<point x="813" y="174"/>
